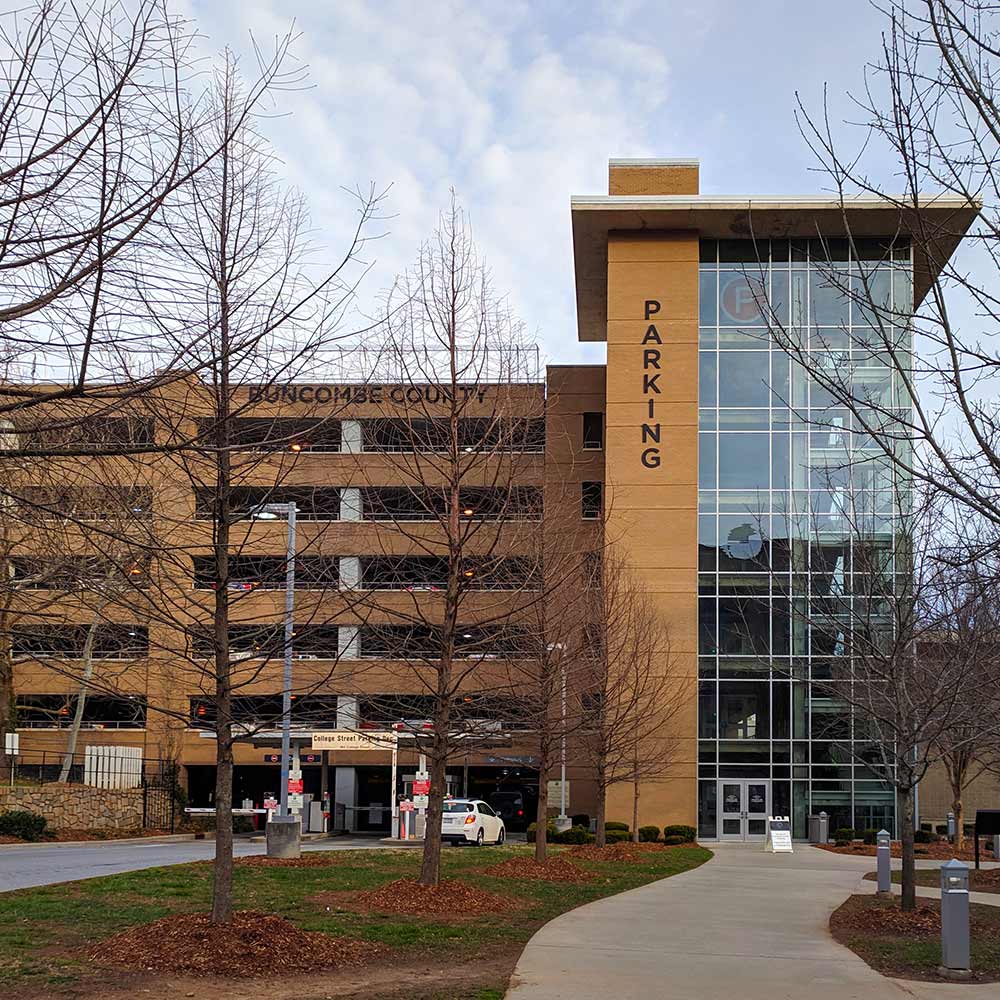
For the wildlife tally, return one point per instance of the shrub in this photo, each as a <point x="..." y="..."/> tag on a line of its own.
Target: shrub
<point x="533" y="828"/>
<point x="922" y="836"/>
<point x="649" y="834"/>
<point x="574" y="835"/>
<point x="23" y="825"/>
<point x="615" y="825"/>
<point x="942" y="829"/>
<point x="616" y="836"/>
<point x="844" y="833"/>
<point x="686" y="833"/>
<point x="675" y="841"/>
<point x="581" y="819"/>
<point x="841" y="843"/>
<point x="870" y="836"/>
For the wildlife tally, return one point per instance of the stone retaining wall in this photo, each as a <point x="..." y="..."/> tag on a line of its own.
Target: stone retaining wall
<point x="78" y="807"/>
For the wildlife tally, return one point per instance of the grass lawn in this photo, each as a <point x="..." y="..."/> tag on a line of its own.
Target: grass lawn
<point x="985" y="880"/>
<point x="43" y="931"/>
<point x="908" y="946"/>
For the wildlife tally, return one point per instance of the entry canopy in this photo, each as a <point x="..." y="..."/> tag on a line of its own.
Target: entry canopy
<point x="939" y="223"/>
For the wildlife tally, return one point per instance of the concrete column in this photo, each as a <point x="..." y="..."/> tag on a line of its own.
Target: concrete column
<point x="350" y="572"/>
<point x="347" y="711"/>
<point x="349" y="643"/>
<point x="350" y="436"/>
<point x="350" y="504"/>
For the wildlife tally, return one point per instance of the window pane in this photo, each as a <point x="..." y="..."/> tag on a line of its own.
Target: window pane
<point x="744" y="461"/>
<point x="706" y="298"/>
<point x="706" y="461"/>
<point x="744" y="378"/>
<point x="741" y="295"/>
<point x="706" y="378"/>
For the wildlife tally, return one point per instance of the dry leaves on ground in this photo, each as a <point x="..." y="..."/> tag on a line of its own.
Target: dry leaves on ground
<point x="868" y="916"/>
<point x="449" y="896"/>
<point x="253" y="944"/>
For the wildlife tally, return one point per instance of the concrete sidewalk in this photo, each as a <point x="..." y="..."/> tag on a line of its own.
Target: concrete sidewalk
<point x="747" y="924"/>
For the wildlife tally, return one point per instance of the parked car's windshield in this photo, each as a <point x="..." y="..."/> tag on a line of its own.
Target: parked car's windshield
<point x="458" y="807"/>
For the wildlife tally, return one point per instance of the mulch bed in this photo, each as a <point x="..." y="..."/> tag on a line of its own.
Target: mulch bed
<point x="984" y="880"/>
<point x="860" y="915"/>
<point x="938" y="851"/>
<point x="906" y="945"/>
<point x="550" y="870"/>
<point x="73" y="836"/>
<point x="449" y="896"/>
<point x="253" y="944"/>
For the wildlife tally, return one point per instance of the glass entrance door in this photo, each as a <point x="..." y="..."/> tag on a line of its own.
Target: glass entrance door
<point x="743" y="808"/>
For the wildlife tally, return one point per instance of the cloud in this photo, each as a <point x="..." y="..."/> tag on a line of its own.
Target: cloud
<point x="515" y="109"/>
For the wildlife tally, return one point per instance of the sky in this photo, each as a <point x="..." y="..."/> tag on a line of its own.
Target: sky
<point x="518" y="106"/>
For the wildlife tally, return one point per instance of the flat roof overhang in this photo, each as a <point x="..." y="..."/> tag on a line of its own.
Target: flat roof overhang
<point x="938" y="225"/>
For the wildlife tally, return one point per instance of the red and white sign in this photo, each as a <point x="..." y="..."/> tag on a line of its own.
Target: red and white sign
<point x="294" y="786"/>
<point x="422" y="786"/>
<point x="406" y="806"/>
<point x="270" y="802"/>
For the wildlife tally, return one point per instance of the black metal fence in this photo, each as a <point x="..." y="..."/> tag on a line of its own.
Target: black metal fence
<point x="105" y="767"/>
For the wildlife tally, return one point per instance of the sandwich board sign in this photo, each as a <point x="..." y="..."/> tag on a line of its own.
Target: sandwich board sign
<point x="779" y="835"/>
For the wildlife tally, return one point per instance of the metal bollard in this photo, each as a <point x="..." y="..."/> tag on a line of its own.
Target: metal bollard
<point x="951" y="826"/>
<point x="955" y="962"/>
<point x="996" y="847"/>
<point x="883" y="855"/>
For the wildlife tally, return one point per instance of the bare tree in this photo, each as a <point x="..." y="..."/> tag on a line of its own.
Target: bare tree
<point x="629" y="692"/>
<point x="254" y="311"/>
<point x="459" y="445"/>
<point x="102" y="128"/>
<point x="930" y="105"/>
<point x="548" y="684"/>
<point x="892" y="687"/>
<point x="969" y="610"/>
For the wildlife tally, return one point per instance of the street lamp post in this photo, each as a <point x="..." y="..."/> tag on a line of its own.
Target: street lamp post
<point x="271" y="512"/>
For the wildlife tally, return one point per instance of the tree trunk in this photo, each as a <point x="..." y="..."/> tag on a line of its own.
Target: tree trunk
<point x="81" y="697"/>
<point x="430" y="868"/>
<point x="542" y="813"/>
<point x="909" y="899"/>
<point x="8" y="710"/>
<point x="635" y="811"/>
<point x="602" y="796"/>
<point x="222" y="872"/>
<point x="956" y="808"/>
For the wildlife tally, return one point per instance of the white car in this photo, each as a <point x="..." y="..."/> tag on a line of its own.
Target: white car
<point x="471" y="821"/>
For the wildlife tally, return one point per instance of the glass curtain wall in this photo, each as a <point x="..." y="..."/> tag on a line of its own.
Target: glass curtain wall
<point x="778" y="466"/>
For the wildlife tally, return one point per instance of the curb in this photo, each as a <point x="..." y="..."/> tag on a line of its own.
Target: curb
<point x="170" y="838"/>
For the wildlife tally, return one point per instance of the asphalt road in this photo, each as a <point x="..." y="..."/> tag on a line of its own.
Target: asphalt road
<point x="47" y="864"/>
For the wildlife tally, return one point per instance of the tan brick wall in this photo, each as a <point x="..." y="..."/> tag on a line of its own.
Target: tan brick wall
<point x="675" y="178"/>
<point x="78" y="807"/>
<point x="935" y="796"/>
<point x="652" y="486"/>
